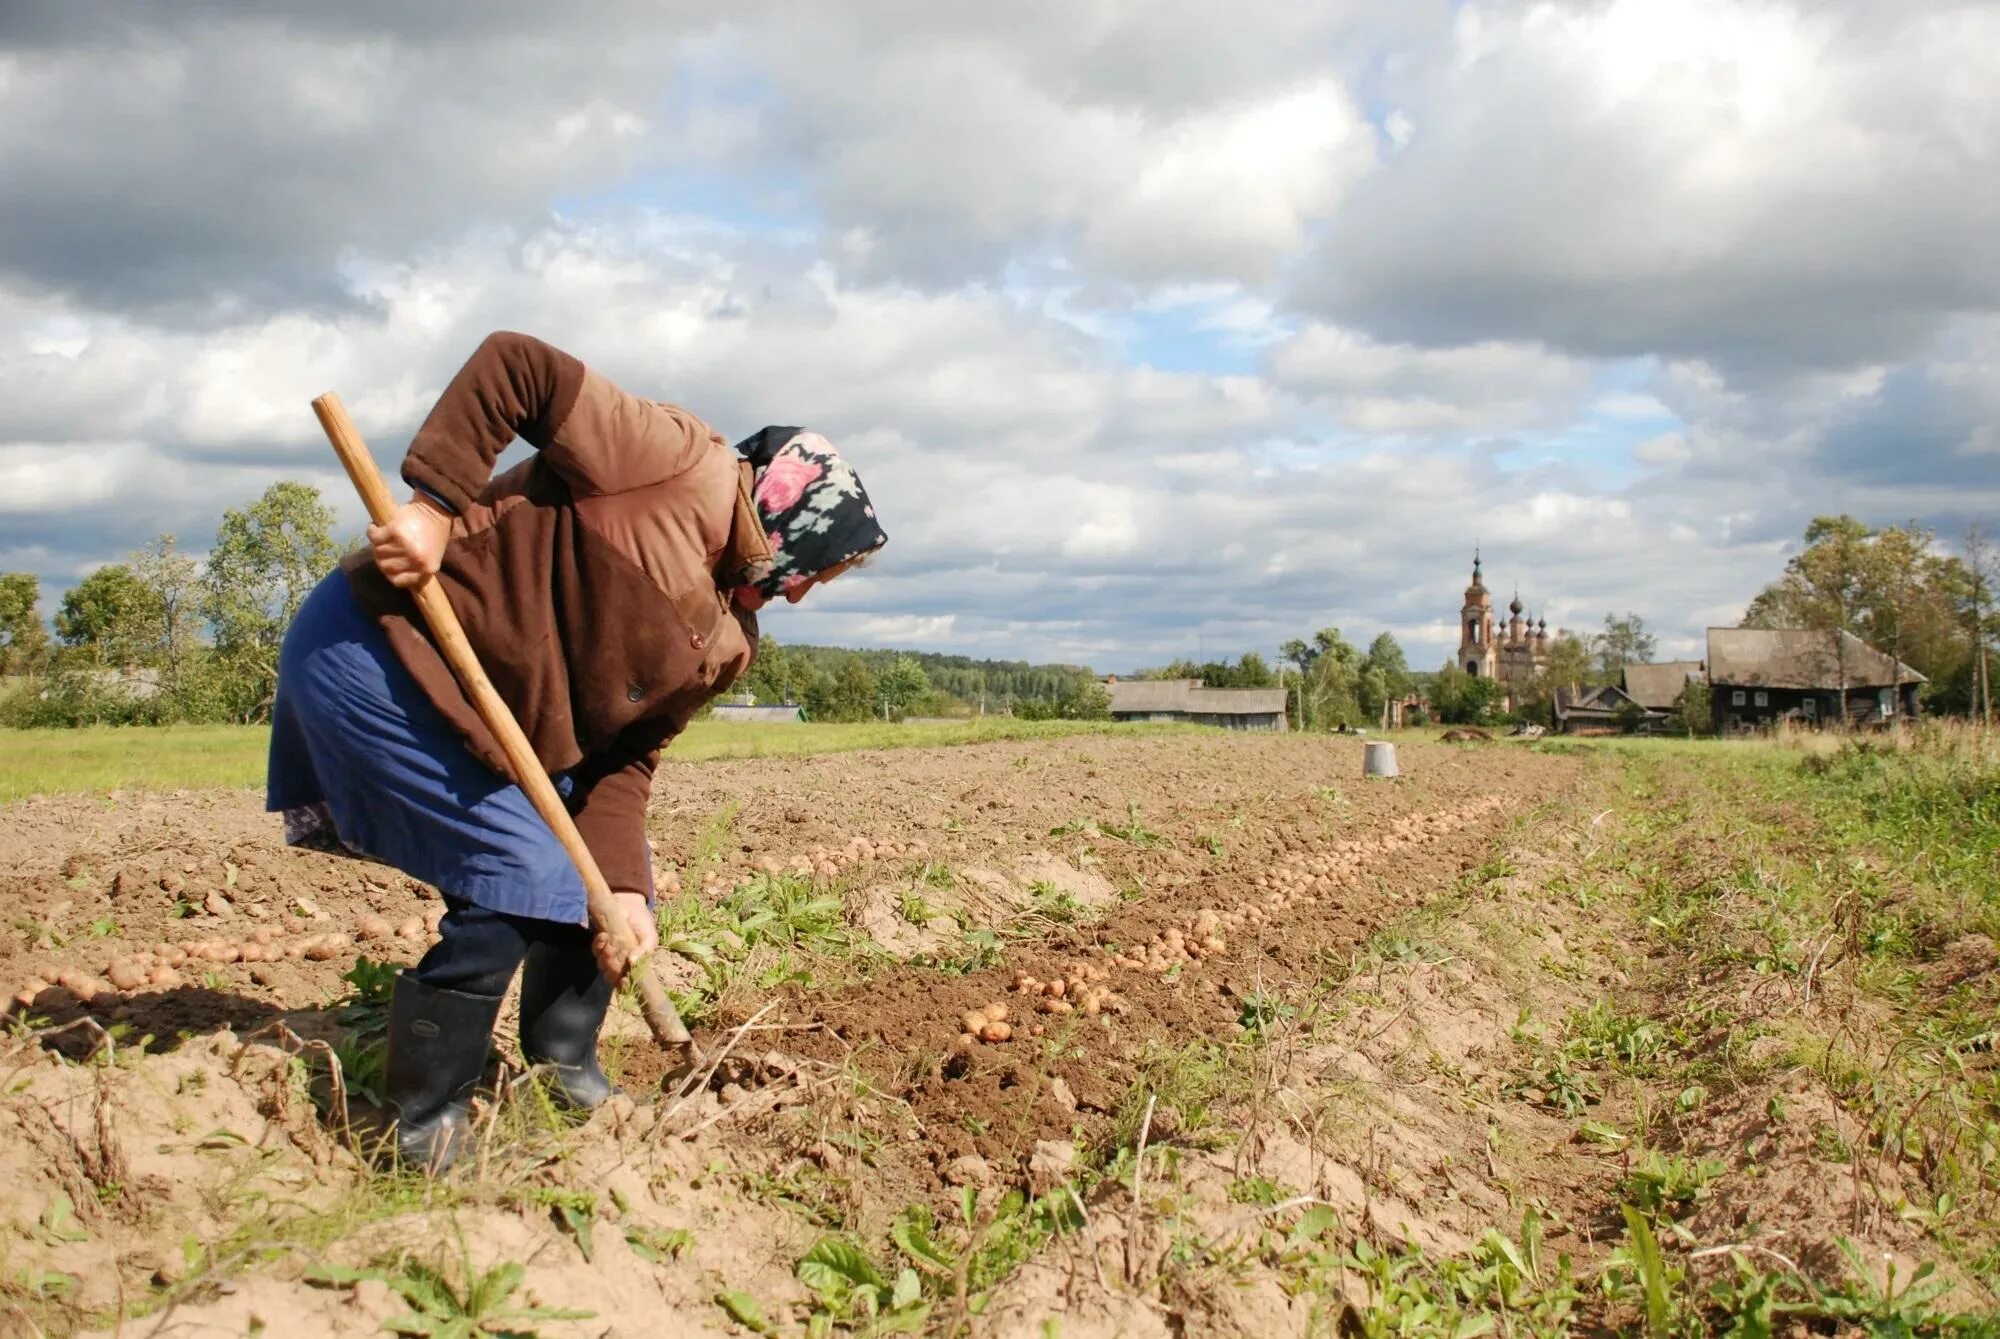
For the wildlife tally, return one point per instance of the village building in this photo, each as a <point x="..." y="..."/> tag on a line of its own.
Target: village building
<point x="1516" y="653"/>
<point x="1642" y="702"/>
<point x="1761" y="676"/>
<point x="1191" y="701"/>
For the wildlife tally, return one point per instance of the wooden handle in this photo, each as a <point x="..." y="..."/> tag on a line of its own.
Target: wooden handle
<point x="436" y="607"/>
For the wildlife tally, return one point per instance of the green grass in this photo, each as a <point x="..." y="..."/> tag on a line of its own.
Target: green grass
<point x="95" y="759"/>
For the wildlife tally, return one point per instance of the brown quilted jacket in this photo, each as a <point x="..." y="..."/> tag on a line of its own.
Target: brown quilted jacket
<point x="590" y="579"/>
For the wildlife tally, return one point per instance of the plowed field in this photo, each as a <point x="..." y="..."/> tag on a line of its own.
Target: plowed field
<point x="1092" y="1036"/>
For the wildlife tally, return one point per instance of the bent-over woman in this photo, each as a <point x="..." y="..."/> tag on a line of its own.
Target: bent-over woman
<point x="610" y="585"/>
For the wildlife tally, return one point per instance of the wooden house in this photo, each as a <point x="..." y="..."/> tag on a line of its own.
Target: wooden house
<point x="1761" y="676"/>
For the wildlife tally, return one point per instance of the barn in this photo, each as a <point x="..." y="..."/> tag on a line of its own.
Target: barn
<point x="1193" y="702"/>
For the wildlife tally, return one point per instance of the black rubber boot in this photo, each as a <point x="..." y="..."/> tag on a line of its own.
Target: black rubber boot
<point x="563" y="1001"/>
<point x="437" y="1051"/>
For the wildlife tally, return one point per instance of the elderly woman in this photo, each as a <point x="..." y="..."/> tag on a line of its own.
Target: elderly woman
<point x="610" y="585"/>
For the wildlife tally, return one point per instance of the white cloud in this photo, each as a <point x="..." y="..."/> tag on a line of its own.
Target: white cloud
<point x="1761" y="185"/>
<point x="1400" y="388"/>
<point x="1151" y="333"/>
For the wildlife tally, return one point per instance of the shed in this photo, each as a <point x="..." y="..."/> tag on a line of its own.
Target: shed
<point x="1760" y="676"/>
<point x="1192" y="701"/>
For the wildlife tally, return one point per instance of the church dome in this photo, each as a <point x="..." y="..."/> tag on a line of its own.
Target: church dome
<point x="1515" y="606"/>
<point x="1476" y="592"/>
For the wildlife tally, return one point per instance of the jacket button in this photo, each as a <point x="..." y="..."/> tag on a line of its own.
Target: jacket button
<point x="635" y="693"/>
<point x="696" y="640"/>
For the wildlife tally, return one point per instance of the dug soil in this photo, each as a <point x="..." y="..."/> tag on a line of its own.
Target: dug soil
<point x="1013" y="958"/>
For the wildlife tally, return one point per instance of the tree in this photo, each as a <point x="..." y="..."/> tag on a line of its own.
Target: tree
<point x="24" y="642"/>
<point x="776" y="675"/>
<point x="267" y="558"/>
<point x="903" y="684"/>
<point x="1569" y="664"/>
<point x="1692" y="713"/>
<point x="1891" y="588"/>
<point x="1084" y="700"/>
<point x="1623" y="642"/>
<point x="1458" y="698"/>
<point x="1385" y="678"/>
<point x="1330" y="688"/>
<point x="173" y="583"/>
<point x="849" y="694"/>
<point x="108" y="617"/>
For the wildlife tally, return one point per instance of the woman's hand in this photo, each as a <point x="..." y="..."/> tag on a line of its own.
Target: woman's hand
<point x="410" y="548"/>
<point x="611" y="960"/>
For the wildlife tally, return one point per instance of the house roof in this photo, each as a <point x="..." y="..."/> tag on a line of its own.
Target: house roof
<point x="1191" y="697"/>
<point x="1799" y="658"/>
<point x="1602" y="700"/>
<point x="1660" y="686"/>
<point x="730" y="711"/>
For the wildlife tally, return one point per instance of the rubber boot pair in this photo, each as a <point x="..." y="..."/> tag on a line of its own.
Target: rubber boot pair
<point x="438" y="1040"/>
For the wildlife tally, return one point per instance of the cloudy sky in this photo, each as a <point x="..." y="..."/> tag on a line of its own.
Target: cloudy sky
<point x="1155" y="326"/>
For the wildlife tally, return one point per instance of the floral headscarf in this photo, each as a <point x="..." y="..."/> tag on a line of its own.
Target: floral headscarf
<point x="815" y="512"/>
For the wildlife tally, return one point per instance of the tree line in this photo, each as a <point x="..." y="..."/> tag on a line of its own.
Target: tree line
<point x="837" y="684"/>
<point x="162" y="637"/>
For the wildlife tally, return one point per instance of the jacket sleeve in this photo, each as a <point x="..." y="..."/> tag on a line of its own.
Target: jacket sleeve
<point x="512" y="386"/>
<point x="611" y="815"/>
<point x="600" y="438"/>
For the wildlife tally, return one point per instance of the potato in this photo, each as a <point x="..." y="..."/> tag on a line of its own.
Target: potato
<point x="974" y="1019"/>
<point x="1214" y="944"/>
<point x="326" y="948"/>
<point x="996" y="1011"/>
<point x="995" y="1031"/>
<point x="126" y="974"/>
<point x="411" y="928"/>
<point x="1056" y="988"/>
<point x="164" y="978"/>
<point x="373" y="927"/>
<point x="966" y="1041"/>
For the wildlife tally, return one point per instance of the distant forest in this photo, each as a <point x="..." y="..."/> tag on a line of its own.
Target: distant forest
<point x="833" y="682"/>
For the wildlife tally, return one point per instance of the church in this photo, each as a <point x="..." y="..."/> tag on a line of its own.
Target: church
<point x="1515" y="655"/>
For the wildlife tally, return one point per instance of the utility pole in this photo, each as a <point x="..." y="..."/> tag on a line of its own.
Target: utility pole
<point x="1976" y="559"/>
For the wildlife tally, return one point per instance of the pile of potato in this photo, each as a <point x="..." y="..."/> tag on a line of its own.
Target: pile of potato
<point x="163" y="966"/>
<point x="823" y="862"/>
<point x="988" y="1024"/>
<point x="1079" y="988"/>
<point x="1200" y="937"/>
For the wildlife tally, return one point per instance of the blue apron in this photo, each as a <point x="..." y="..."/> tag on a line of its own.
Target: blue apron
<point x="358" y="753"/>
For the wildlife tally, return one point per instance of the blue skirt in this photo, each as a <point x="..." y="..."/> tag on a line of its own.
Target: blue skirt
<point x="359" y="754"/>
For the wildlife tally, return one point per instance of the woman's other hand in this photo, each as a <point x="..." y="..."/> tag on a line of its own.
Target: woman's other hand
<point x="410" y="547"/>
<point x="613" y="961"/>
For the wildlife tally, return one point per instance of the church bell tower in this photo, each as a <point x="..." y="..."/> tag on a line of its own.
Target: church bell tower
<point x="1476" y="652"/>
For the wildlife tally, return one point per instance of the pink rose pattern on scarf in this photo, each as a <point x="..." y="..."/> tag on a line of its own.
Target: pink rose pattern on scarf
<point x="785" y="480"/>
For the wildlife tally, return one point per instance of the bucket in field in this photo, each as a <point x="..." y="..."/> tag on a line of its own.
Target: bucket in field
<point x="1378" y="759"/>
